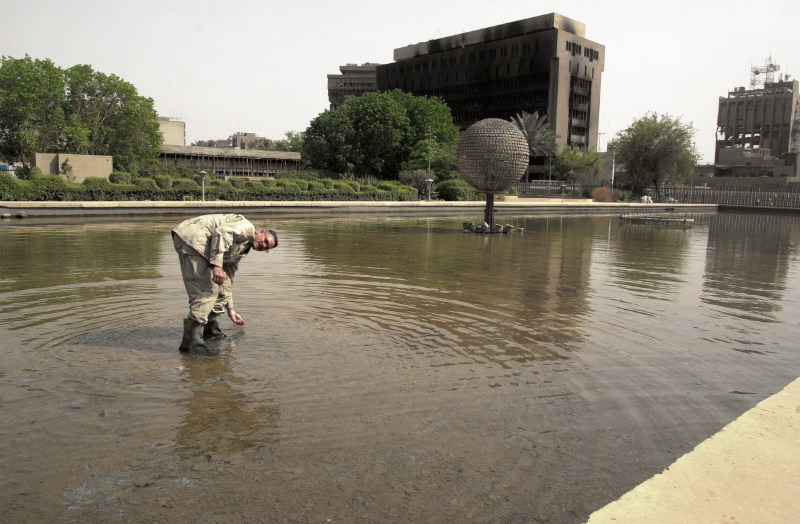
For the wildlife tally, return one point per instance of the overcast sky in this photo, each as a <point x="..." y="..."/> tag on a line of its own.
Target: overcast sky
<point x="260" y="66"/>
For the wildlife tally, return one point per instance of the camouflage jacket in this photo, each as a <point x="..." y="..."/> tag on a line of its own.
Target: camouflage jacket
<point x="223" y="240"/>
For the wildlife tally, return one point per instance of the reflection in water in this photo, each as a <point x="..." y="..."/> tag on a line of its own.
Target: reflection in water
<point x="387" y="365"/>
<point x="219" y="417"/>
<point x="747" y="264"/>
<point x="498" y="299"/>
<point x="35" y="256"/>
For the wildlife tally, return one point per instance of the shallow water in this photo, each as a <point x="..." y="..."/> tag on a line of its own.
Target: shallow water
<point x="391" y="370"/>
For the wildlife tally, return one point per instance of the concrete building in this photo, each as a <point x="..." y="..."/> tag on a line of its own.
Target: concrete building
<point x="82" y="166"/>
<point x="543" y="64"/>
<point x="243" y="140"/>
<point x="765" y="118"/>
<point x="758" y="129"/>
<point x="173" y="130"/>
<point x="355" y="80"/>
<point x="227" y="162"/>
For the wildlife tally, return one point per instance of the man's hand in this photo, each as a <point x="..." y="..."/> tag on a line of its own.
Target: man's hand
<point x="218" y="275"/>
<point x="236" y="318"/>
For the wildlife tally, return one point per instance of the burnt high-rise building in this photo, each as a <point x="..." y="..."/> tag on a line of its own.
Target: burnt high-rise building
<point x="764" y="117"/>
<point x="542" y="64"/>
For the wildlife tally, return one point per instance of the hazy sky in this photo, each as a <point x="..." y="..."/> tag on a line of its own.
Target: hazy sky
<point x="260" y="66"/>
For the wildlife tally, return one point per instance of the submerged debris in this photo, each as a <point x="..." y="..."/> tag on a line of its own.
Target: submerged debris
<point x="471" y="227"/>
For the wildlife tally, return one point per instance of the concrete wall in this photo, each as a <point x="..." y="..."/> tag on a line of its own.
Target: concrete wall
<point x="83" y="166"/>
<point x="173" y="131"/>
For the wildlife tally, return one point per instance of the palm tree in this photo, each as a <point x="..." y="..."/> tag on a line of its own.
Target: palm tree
<point x="541" y="139"/>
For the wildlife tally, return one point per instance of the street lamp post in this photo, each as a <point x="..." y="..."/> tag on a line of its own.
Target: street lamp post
<point x="203" y="182"/>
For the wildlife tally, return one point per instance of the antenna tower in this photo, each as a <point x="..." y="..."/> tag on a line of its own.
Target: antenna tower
<point x="762" y="75"/>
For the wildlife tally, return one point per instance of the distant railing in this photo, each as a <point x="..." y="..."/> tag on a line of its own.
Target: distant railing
<point x="744" y="196"/>
<point x="741" y="196"/>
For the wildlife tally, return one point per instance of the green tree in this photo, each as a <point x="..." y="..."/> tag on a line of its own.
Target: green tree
<point x="32" y="119"/>
<point x="575" y="164"/>
<point x="377" y="133"/>
<point x="107" y="116"/>
<point x="436" y="159"/>
<point x="656" y="149"/>
<point x="328" y="141"/>
<point x="46" y="109"/>
<point x="541" y="139"/>
<point x="212" y="143"/>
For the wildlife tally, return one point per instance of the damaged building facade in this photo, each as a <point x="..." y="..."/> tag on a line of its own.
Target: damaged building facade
<point x="542" y="64"/>
<point x="758" y="131"/>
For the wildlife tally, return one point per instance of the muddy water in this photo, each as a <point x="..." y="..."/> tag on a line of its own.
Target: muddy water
<point x="390" y="370"/>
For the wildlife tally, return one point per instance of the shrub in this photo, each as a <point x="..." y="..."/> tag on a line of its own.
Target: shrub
<point x="225" y="185"/>
<point x="185" y="184"/>
<point x="163" y="181"/>
<point x="316" y="187"/>
<point x="269" y="182"/>
<point x="289" y="186"/>
<point x="11" y="188"/>
<point x="310" y="174"/>
<point x="48" y="187"/>
<point x="97" y="188"/>
<point x="456" y="190"/>
<point x="238" y="183"/>
<point x="118" y="177"/>
<point x="97" y="182"/>
<point x="146" y="183"/>
<point x="344" y="188"/>
<point x="605" y="194"/>
<point x="254" y="185"/>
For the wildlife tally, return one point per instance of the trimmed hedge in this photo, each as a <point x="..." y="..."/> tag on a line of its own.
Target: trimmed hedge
<point x="456" y="190"/>
<point x="163" y="187"/>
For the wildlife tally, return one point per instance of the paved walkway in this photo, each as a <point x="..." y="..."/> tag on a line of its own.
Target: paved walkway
<point x="747" y="473"/>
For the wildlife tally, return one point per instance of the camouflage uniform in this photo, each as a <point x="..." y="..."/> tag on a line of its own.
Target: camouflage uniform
<point x="205" y="241"/>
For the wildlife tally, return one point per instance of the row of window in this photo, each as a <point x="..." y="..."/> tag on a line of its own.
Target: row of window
<point x="576" y="49"/>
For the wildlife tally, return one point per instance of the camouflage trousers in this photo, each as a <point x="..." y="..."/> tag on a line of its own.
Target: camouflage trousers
<point x="205" y="297"/>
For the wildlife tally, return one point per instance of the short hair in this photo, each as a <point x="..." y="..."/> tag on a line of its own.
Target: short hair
<point x="274" y="235"/>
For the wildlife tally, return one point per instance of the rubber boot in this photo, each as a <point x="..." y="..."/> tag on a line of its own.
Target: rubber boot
<point x="193" y="341"/>
<point x="212" y="329"/>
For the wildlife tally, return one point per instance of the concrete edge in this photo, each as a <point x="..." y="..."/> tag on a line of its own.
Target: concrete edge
<point x="748" y="472"/>
<point x="76" y="209"/>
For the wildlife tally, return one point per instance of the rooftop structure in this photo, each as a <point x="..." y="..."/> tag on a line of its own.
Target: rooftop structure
<point x="355" y="80"/>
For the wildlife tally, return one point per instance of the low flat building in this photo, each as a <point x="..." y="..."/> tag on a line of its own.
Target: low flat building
<point x="226" y="162"/>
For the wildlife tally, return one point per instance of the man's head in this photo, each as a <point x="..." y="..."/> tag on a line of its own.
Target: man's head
<point x="265" y="239"/>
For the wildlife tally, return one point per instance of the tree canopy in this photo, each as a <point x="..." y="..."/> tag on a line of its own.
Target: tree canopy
<point x="656" y="149"/>
<point x="44" y="109"/>
<point x="574" y="164"/>
<point x="541" y="139"/>
<point x="377" y="133"/>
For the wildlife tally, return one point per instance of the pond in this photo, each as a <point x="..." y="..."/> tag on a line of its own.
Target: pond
<point x="391" y="369"/>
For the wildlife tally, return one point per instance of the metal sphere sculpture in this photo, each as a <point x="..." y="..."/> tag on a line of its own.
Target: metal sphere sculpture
<point x="491" y="155"/>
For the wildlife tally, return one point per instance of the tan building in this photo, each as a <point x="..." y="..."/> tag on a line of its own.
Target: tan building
<point x="758" y="131"/>
<point x="542" y="64"/>
<point x="81" y="166"/>
<point x="173" y="130"/>
<point x="761" y="118"/>
<point x="243" y="140"/>
<point x="355" y="80"/>
<point x="229" y="162"/>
